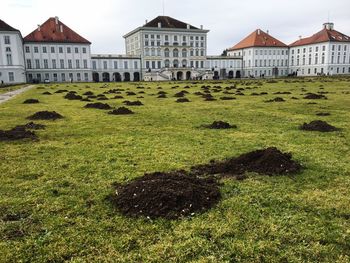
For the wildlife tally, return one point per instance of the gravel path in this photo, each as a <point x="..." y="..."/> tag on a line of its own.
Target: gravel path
<point x="9" y="95"/>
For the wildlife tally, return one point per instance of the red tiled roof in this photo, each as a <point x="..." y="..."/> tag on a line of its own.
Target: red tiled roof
<point x="325" y="35"/>
<point x="5" y="27"/>
<point x="168" y="22"/>
<point x="258" y="39"/>
<point x="51" y="32"/>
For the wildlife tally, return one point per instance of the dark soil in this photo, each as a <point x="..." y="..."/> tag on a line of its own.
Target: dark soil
<point x="45" y="115"/>
<point x="312" y="96"/>
<point x="32" y="126"/>
<point x="227" y="98"/>
<point x="268" y="161"/>
<point x="88" y="93"/>
<point x="46" y="93"/>
<point x="61" y="91"/>
<point x="118" y="97"/>
<point x="318" y="125"/>
<point x="130" y="93"/>
<point x="182" y="100"/>
<point x="162" y="96"/>
<point x="133" y="103"/>
<point x="30" y="101"/>
<point x="277" y="99"/>
<point x="17" y="133"/>
<point x="98" y="105"/>
<point x="72" y="96"/>
<point x="121" y="111"/>
<point x="180" y="94"/>
<point x="220" y="125"/>
<point x="167" y="195"/>
<point x="323" y="114"/>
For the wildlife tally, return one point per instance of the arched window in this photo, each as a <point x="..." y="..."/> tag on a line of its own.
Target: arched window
<point x="176" y="63"/>
<point x="184" y="63"/>
<point x="166" y="52"/>
<point x="176" y="53"/>
<point x="184" y="53"/>
<point x="167" y="63"/>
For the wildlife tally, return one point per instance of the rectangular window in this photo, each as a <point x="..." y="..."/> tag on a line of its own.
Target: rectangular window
<point x="104" y="64"/>
<point x="37" y="63"/>
<point x="60" y="50"/>
<point x="84" y="50"/>
<point x="159" y="64"/>
<point x="76" y="50"/>
<point x="77" y="63"/>
<point x="44" y="50"/>
<point x="68" y="50"/>
<point x="46" y="64"/>
<point x="11" y="76"/>
<point x="55" y="77"/>
<point x="85" y="63"/>
<point x="115" y="64"/>
<point x="47" y="76"/>
<point x="63" y="77"/>
<point x="86" y="76"/>
<point x="7" y="40"/>
<point x="62" y="63"/>
<point x="27" y="49"/>
<point x="36" y="50"/>
<point x="70" y="63"/>
<point x="94" y="64"/>
<point x="153" y="64"/>
<point x="126" y="65"/>
<point x="78" y="77"/>
<point x="136" y="65"/>
<point x="52" y="49"/>
<point x="147" y="64"/>
<point x="9" y="59"/>
<point x="54" y="63"/>
<point x="29" y="64"/>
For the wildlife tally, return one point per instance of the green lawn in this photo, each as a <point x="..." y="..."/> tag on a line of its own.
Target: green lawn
<point x="56" y="188"/>
<point x="10" y="88"/>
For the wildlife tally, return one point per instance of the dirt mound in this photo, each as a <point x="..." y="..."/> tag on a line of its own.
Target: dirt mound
<point x="118" y="97"/>
<point x="162" y="96"/>
<point x="30" y="101"/>
<point x="88" y="93"/>
<point x="121" y="111"/>
<point x="227" y="98"/>
<point x="130" y="93"/>
<point x="220" y="125"/>
<point x="17" y="133"/>
<point x="167" y="195"/>
<point x="32" y="126"/>
<point x="318" y="125"/>
<point x="72" y="96"/>
<point x="277" y="99"/>
<point x="133" y="103"/>
<point x="323" y="114"/>
<point x="46" y="93"/>
<point x="45" y="115"/>
<point x="98" y="105"/>
<point x="61" y="91"/>
<point x="182" y="100"/>
<point x="313" y="96"/>
<point x="268" y="161"/>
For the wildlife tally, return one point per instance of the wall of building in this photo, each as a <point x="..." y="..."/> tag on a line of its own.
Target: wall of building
<point x="12" y="69"/>
<point x="58" y="62"/>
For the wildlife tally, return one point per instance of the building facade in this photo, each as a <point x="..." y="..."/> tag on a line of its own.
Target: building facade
<point x="165" y="49"/>
<point x="325" y="53"/>
<point x="12" y="68"/>
<point x="54" y="52"/>
<point x="263" y="55"/>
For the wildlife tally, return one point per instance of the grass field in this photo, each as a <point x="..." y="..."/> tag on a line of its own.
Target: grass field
<point x="53" y="205"/>
<point x="10" y="88"/>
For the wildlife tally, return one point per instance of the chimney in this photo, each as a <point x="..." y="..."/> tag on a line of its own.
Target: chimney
<point x="267" y="31"/>
<point x="300" y="37"/>
<point x="61" y="28"/>
<point x="159" y="25"/>
<point x="56" y="20"/>
<point x="258" y="31"/>
<point x="188" y="26"/>
<point x="328" y="26"/>
<point x="201" y="27"/>
<point x="38" y="27"/>
<point x="146" y="21"/>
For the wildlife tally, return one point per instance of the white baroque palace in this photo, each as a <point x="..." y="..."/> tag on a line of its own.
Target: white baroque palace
<point x="165" y="49"/>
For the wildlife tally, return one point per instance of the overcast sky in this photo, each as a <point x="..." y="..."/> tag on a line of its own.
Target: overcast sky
<point x="104" y="22"/>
